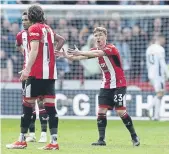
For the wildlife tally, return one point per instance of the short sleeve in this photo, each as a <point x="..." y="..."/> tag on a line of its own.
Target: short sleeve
<point x="34" y="33"/>
<point x="19" y="39"/>
<point x="110" y="50"/>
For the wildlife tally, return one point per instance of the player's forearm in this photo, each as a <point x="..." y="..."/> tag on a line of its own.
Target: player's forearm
<point x="92" y="54"/>
<point x="32" y="55"/>
<point x="60" y="45"/>
<point x="72" y="58"/>
<point x="31" y="60"/>
<point x="78" y="57"/>
<point x="20" y="49"/>
<point x="60" y="42"/>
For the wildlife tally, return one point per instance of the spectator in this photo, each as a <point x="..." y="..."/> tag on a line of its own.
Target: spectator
<point x="84" y="33"/>
<point x="91" y="67"/>
<point x="62" y="29"/>
<point x="125" y="53"/>
<point x="82" y="2"/>
<point x="114" y="27"/>
<point x="72" y="21"/>
<point x="127" y="2"/>
<point x="156" y="2"/>
<point x="63" y="68"/>
<point x="138" y="46"/>
<point x="141" y="2"/>
<point x="6" y="69"/>
<point x="73" y="37"/>
<point x="126" y="32"/>
<point x="51" y="22"/>
<point x="155" y="29"/>
<point x="23" y="1"/>
<point x="5" y="26"/>
<point x="14" y="29"/>
<point x="165" y="31"/>
<point x="12" y="15"/>
<point x="107" y="2"/>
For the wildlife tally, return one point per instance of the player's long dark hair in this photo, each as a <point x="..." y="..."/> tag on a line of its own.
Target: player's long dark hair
<point x="36" y="14"/>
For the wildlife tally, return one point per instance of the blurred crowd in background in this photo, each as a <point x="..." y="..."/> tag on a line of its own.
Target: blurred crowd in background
<point x="90" y="2"/>
<point x="131" y="37"/>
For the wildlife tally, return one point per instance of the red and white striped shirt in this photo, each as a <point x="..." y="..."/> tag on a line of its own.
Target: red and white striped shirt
<point x="22" y="40"/>
<point x="44" y="66"/>
<point x="111" y="67"/>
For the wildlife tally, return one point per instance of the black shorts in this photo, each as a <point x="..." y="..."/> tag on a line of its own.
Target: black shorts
<point x="23" y="87"/>
<point x="39" y="88"/>
<point x="113" y="98"/>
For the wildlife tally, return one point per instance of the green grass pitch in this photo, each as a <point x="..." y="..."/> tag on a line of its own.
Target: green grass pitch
<point x="76" y="136"/>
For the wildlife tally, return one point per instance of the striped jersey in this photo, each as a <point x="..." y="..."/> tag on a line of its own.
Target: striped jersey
<point x="22" y="40"/>
<point x="44" y="66"/>
<point x="155" y="60"/>
<point x="111" y="67"/>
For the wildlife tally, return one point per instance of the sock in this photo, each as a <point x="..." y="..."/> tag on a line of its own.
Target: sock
<point x="43" y="120"/>
<point x="43" y="133"/>
<point x="157" y="108"/>
<point x="32" y="124"/>
<point x="26" y="117"/>
<point x="22" y="137"/>
<point x="54" y="139"/>
<point x="101" y="124"/>
<point x="129" y="124"/>
<point x="53" y="119"/>
<point x="152" y="104"/>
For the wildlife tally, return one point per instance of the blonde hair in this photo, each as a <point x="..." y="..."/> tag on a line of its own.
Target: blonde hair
<point x="100" y="29"/>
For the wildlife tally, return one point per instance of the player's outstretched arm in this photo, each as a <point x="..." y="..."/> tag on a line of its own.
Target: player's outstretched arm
<point x="89" y="54"/>
<point x="73" y="57"/>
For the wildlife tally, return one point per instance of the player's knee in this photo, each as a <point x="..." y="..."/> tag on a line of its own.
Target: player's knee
<point x="50" y="108"/>
<point x="30" y="101"/>
<point x="160" y="95"/>
<point x="121" y="112"/>
<point x="102" y="110"/>
<point x="51" y="100"/>
<point x="27" y="108"/>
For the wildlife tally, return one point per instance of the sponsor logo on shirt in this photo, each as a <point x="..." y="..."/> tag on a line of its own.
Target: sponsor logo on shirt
<point x="34" y="34"/>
